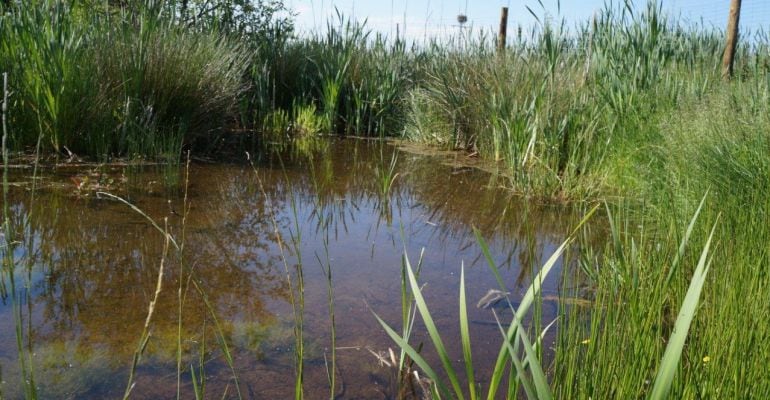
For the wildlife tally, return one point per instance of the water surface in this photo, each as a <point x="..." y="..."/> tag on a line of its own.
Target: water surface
<point x="87" y="268"/>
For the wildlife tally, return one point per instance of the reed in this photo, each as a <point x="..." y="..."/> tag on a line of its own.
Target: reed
<point x="116" y="82"/>
<point x="145" y="335"/>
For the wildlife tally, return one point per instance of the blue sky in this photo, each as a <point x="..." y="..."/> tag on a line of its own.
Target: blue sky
<point x="423" y="18"/>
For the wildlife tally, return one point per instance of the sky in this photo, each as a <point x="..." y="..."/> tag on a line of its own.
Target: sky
<point x="435" y="18"/>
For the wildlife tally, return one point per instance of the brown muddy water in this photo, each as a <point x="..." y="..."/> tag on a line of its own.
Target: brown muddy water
<point x="87" y="266"/>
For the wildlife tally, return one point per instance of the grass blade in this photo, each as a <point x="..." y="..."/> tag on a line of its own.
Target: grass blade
<point x="422" y="307"/>
<point x="517" y="364"/>
<point x="221" y="339"/>
<point x="670" y="361"/>
<point x="488" y="257"/>
<point x="526" y="302"/>
<point x="414" y="355"/>
<point x="538" y="376"/>
<point x="685" y="239"/>
<point x="466" y="337"/>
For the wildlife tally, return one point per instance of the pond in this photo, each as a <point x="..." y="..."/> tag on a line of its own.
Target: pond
<point x="87" y="267"/>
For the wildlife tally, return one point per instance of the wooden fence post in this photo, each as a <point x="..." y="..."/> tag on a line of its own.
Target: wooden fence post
<point x="5" y="129"/>
<point x="732" y="39"/>
<point x="503" y="29"/>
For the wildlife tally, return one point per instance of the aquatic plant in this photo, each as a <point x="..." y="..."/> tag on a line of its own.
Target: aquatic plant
<point x="529" y="372"/>
<point x="385" y="174"/>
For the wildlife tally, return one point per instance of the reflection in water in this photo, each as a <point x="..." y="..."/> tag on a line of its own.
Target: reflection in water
<point x="93" y="265"/>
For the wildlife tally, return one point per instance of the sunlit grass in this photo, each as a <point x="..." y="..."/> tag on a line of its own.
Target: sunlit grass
<point x="629" y="108"/>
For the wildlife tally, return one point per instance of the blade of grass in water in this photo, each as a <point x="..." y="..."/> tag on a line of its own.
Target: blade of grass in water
<point x="408" y="317"/>
<point x="518" y="366"/>
<point x="538" y="376"/>
<point x="414" y="355"/>
<point x="433" y="332"/>
<point x="537" y="388"/>
<point x="326" y="268"/>
<point x="145" y="337"/>
<point x="526" y="301"/>
<point x="488" y="256"/>
<point x="296" y="292"/>
<point x="9" y="263"/>
<point x="197" y="390"/>
<point x="221" y="339"/>
<point x="465" y="337"/>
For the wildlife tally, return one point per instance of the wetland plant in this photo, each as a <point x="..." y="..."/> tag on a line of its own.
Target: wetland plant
<point x="522" y="353"/>
<point x="115" y="82"/>
<point x="385" y="174"/>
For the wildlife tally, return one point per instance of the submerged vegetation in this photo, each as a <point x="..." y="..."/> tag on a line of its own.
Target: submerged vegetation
<point x="629" y="109"/>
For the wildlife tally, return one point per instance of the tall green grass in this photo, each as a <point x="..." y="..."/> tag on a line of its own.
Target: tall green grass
<point x="146" y="78"/>
<point x="713" y="140"/>
<point x="640" y="278"/>
<point x="357" y="80"/>
<point x="564" y="111"/>
<point x="106" y="82"/>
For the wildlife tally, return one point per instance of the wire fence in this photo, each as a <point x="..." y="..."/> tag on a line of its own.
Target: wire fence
<point x="754" y="17"/>
<point x="755" y="14"/>
<point x="425" y="18"/>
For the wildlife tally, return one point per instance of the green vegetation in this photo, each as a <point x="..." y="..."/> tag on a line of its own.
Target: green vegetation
<point x="568" y="114"/>
<point x="628" y="108"/>
<point x="103" y="82"/>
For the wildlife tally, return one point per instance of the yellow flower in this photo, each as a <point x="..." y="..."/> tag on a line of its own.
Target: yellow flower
<point x="706" y="359"/>
<point x="586" y="341"/>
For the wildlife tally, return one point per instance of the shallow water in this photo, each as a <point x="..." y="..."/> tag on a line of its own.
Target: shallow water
<point x="88" y="265"/>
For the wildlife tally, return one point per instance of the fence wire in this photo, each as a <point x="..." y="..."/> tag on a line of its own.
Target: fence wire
<point x="430" y="18"/>
<point x="755" y="14"/>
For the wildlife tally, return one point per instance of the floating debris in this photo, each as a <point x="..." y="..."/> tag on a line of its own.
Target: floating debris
<point x="492" y="297"/>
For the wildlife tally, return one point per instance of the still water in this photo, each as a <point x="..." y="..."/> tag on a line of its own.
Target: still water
<point x="86" y="270"/>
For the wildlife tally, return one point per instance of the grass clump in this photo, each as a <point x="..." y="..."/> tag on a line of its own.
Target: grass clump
<point x="539" y="124"/>
<point x="115" y="82"/>
<point x="356" y="81"/>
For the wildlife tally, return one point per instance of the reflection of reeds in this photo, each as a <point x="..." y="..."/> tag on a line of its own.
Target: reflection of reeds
<point x="385" y="176"/>
<point x="9" y="267"/>
<point x="7" y="254"/>
<point x="296" y="290"/>
<point x="386" y="173"/>
<point x="199" y="381"/>
<point x="326" y="268"/>
<point x="198" y="389"/>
